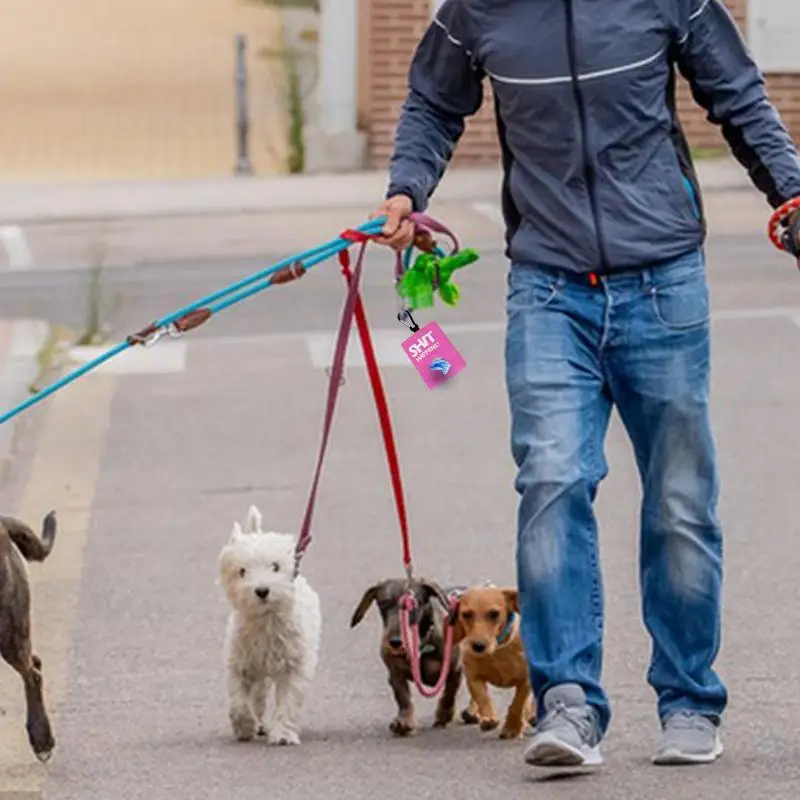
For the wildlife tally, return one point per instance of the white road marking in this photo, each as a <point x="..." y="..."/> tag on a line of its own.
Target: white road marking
<point x="491" y="210"/>
<point x="387" y="341"/>
<point x="16" y="247"/>
<point x="163" y="359"/>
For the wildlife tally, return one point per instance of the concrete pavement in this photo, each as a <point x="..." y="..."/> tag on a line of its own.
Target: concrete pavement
<point x="110" y="200"/>
<point x="149" y="471"/>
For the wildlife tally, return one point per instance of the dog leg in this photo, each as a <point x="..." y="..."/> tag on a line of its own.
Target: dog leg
<point x="487" y="715"/>
<point x="242" y="720"/>
<point x="16" y="652"/>
<point x="446" y="707"/>
<point x="40" y="733"/>
<point x="404" y="723"/>
<point x="469" y="715"/>
<point x="518" y="713"/>
<point x="290" y="692"/>
<point x="258" y="703"/>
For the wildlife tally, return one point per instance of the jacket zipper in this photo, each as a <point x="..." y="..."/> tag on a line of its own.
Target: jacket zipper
<point x="588" y="167"/>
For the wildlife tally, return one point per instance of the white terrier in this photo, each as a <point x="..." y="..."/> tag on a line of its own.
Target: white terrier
<point x="273" y="632"/>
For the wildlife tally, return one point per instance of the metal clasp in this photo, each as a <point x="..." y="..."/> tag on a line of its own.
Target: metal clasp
<point x="165" y="330"/>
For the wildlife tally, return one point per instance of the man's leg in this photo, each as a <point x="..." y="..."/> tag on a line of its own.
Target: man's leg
<point x="659" y="373"/>
<point x="559" y="416"/>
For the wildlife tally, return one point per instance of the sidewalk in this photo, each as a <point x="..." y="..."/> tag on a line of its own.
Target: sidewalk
<point x="21" y="340"/>
<point x="20" y="204"/>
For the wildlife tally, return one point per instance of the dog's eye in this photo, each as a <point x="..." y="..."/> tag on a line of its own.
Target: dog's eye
<point x="276" y="566"/>
<point x="242" y="572"/>
<point x="494" y="615"/>
<point x="467" y="615"/>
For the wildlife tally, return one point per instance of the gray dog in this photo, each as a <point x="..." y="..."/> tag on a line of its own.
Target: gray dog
<point x="18" y="541"/>
<point x="386" y="595"/>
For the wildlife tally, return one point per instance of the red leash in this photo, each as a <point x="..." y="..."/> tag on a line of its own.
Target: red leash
<point x="354" y="310"/>
<point x="382" y="407"/>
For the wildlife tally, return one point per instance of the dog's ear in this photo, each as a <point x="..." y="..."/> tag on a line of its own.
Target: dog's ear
<point x="366" y="601"/>
<point x="512" y="599"/>
<point x="253" y="524"/>
<point x="455" y="622"/>
<point x="432" y="589"/>
<point x="236" y="532"/>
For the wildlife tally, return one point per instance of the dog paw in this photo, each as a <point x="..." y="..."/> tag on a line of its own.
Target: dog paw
<point x="468" y="718"/>
<point x="402" y="727"/>
<point x="510" y="733"/>
<point x="444" y="718"/>
<point x="489" y="724"/>
<point x="282" y="738"/>
<point x="44" y="755"/>
<point x="244" y="728"/>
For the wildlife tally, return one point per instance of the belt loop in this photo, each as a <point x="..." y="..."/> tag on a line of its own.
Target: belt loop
<point x="646" y="278"/>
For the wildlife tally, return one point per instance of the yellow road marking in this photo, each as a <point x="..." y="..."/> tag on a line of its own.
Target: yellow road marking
<point x="63" y="477"/>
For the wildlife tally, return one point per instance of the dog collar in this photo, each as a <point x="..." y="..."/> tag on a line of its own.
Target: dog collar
<point x="506" y="632"/>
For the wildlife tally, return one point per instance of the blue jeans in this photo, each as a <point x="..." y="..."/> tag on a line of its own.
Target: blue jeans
<point x="638" y="341"/>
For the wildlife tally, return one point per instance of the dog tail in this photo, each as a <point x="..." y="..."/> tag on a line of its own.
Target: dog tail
<point x="29" y="544"/>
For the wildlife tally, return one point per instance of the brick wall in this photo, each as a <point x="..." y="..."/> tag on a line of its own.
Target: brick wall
<point x="394" y="29"/>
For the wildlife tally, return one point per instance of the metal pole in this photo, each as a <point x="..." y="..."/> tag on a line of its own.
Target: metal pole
<point x="243" y="166"/>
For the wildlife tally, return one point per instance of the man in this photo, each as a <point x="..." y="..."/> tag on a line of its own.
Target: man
<point x="607" y="305"/>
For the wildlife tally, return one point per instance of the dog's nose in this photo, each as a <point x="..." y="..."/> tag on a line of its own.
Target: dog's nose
<point x="396" y="643"/>
<point x="478" y="647"/>
<point x="262" y="592"/>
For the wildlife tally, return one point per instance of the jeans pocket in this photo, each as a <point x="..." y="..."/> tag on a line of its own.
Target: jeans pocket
<point x="530" y="287"/>
<point x="682" y="303"/>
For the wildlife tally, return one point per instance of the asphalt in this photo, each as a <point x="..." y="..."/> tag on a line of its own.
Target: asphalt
<point x="150" y="470"/>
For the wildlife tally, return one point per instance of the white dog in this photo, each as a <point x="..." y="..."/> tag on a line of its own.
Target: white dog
<point x="273" y="632"/>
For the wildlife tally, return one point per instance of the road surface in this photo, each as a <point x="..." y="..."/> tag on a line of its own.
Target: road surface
<point x="149" y="463"/>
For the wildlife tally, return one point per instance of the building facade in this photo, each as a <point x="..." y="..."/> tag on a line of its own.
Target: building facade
<point x="389" y="30"/>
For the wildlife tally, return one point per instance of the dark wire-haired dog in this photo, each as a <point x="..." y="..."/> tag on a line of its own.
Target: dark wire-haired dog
<point x="432" y="612"/>
<point x="18" y="542"/>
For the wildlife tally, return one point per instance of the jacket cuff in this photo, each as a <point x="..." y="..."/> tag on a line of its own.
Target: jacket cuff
<point x="419" y="199"/>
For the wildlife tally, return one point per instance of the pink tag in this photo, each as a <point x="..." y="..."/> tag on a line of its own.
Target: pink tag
<point x="434" y="355"/>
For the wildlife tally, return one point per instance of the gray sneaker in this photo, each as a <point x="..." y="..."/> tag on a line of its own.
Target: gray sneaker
<point x="688" y="738"/>
<point x="569" y="733"/>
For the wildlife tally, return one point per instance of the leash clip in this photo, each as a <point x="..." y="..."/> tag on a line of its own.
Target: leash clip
<point x="404" y="316"/>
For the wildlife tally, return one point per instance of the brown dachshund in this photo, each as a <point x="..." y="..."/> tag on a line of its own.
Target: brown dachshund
<point x="487" y="630"/>
<point x="386" y="595"/>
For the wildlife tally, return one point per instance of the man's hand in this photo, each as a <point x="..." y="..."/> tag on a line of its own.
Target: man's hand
<point x="398" y="232"/>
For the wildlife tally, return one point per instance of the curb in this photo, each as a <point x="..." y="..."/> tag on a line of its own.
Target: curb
<point x="26" y="204"/>
<point x="21" y="341"/>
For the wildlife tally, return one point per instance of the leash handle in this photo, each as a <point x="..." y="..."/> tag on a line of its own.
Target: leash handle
<point x="779" y="230"/>
<point x="427" y="224"/>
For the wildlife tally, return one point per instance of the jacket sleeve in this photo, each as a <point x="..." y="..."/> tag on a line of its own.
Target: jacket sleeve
<point x="445" y="87"/>
<point x="727" y="83"/>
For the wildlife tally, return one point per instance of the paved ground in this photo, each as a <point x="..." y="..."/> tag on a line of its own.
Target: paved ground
<point x="110" y="89"/>
<point x="148" y="469"/>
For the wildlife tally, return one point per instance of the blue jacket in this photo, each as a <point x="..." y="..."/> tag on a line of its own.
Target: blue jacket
<point x="597" y="172"/>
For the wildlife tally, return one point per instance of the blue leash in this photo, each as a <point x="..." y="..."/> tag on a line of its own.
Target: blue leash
<point x="194" y="314"/>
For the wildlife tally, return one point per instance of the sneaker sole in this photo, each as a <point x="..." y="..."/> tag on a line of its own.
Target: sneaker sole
<point x="550" y="751"/>
<point x="676" y="758"/>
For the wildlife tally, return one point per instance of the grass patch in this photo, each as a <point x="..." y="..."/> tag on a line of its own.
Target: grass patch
<point x="291" y="57"/>
<point x="294" y="97"/>
<point x="58" y="339"/>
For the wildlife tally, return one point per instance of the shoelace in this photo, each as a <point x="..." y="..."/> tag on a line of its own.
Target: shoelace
<point x="581" y="718"/>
